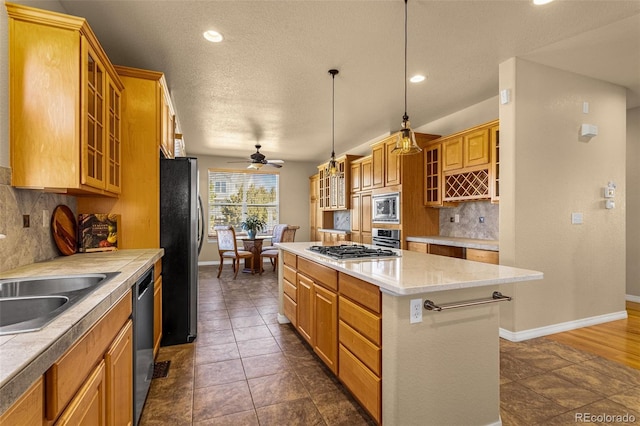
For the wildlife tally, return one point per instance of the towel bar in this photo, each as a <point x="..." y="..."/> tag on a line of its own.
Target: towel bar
<point x="495" y="297"/>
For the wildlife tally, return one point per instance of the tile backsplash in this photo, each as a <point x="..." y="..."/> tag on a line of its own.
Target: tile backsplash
<point x="342" y="220"/>
<point x="22" y="246"/>
<point x="469" y="225"/>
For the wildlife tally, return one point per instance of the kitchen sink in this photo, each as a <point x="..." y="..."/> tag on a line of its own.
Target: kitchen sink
<point x="44" y="286"/>
<point x="30" y="303"/>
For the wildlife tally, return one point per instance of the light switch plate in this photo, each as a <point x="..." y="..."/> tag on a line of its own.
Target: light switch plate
<point x="576" y="218"/>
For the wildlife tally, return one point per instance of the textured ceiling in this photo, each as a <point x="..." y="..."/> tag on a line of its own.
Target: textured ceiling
<point x="268" y="81"/>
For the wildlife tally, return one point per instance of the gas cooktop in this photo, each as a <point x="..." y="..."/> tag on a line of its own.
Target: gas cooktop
<point x="352" y="251"/>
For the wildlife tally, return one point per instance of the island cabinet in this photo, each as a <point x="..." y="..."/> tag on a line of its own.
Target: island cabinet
<point x="317" y="309"/>
<point x="65" y="113"/>
<point x="143" y="104"/>
<point x="360" y="342"/>
<point x="92" y="383"/>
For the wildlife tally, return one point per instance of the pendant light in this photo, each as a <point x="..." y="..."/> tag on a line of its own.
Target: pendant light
<point x="332" y="167"/>
<point x="406" y="141"/>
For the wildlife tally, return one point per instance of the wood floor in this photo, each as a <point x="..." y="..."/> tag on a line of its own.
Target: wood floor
<point x="616" y="340"/>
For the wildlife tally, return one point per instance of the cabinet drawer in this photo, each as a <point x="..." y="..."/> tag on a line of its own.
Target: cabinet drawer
<point x="449" y="251"/>
<point x="363" y="321"/>
<point x="290" y="259"/>
<point x="366" y="294"/>
<point x="363" y="349"/>
<point x="290" y="308"/>
<point x="365" y="386"/>
<point x="289" y="273"/>
<point x="290" y="289"/>
<point x="486" y="256"/>
<point x="66" y="375"/>
<point x="415" y="246"/>
<point x="320" y="274"/>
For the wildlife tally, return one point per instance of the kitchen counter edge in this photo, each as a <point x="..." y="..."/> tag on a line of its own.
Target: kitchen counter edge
<point x="27" y="356"/>
<point x="419" y="273"/>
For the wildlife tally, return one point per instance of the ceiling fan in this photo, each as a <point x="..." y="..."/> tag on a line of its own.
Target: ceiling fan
<point x="258" y="160"/>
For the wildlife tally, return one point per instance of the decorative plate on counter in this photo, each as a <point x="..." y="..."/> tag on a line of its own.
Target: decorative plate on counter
<point x="65" y="230"/>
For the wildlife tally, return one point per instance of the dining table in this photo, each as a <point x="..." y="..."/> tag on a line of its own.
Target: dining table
<point x="254" y="245"/>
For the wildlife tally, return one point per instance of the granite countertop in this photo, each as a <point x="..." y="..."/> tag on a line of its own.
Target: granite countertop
<point x="335" y="231"/>
<point x="415" y="273"/>
<point x="26" y="356"/>
<point x="491" y="245"/>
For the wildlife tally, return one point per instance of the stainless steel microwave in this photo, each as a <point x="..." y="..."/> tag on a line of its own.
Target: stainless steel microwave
<point x="385" y="208"/>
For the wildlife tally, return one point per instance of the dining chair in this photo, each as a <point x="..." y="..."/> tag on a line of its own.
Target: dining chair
<point x="228" y="249"/>
<point x="288" y="236"/>
<point x="276" y="236"/>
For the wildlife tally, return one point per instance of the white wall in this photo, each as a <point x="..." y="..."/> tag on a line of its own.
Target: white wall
<point x="294" y="196"/>
<point x="548" y="172"/>
<point x="633" y="204"/>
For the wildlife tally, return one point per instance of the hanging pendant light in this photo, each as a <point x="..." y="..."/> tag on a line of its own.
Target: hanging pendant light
<point x="332" y="167"/>
<point x="406" y="141"/>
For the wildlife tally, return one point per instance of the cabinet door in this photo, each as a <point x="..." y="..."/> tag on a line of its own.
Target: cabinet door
<point x="433" y="175"/>
<point x="325" y="333"/>
<point x="476" y="148"/>
<point x="29" y="409"/>
<point x="119" y="378"/>
<point x="415" y="246"/>
<point x="114" y="138"/>
<point x="452" y="154"/>
<point x="355" y="213"/>
<point x="88" y="407"/>
<point x="365" y="212"/>
<point x="366" y="173"/>
<point x="94" y="149"/>
<point x="305" y="307"/>
<point x="355" y="177"/>
<point x="377" y="166"/>
<point x="393" y="165"/>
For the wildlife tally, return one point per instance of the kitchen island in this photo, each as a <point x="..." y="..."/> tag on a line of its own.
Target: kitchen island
<point x="25" y="357"/>
<point x="431" y="367"/>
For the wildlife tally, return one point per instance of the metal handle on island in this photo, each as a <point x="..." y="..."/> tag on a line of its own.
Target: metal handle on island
<point x="495" y="297"/>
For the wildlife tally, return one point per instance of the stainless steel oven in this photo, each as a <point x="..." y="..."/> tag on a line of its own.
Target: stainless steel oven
<point x="386" y="237"/>
<point x="385" y="208"/>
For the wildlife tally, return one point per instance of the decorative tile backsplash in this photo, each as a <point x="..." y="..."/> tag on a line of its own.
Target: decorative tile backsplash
<point x="22" y="246"/>
<point x="469" y="225"/>
<point x="342" y="220"/>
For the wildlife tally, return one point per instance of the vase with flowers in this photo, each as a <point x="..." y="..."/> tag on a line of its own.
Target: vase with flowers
<point x="253" y="224"/>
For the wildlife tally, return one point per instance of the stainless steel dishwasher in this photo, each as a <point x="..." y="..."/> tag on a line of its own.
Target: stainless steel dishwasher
<point x="142" y="341"/>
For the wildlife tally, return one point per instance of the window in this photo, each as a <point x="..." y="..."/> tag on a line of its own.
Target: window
<point x="235" y="194"/>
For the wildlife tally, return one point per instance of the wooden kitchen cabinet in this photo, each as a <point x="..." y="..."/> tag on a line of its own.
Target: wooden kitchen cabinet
<point x="81" y="372"/>
<point x="157" y="306"/>
<point x="494" y="136"/>
<point x="433" y="175"/>
<point x="28" y="409"/>
<point x="377" y="166"/>
<point x="143" y="104"/>
<point x="64" y="114"/>
<point x="361" y="217"/>
<point x="419" y="247"/>
<point x="485" y="256"/>
<point x="360" y="342"/>
<point x="470" y="148"/>
<point x="325" y="326"/>
<point x="167" y="144"/>
<point x="335" y="191"/>
<point x="305" y="307"/>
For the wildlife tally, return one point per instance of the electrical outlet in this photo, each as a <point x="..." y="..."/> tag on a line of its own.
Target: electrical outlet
<point x="45" y="218"/>
<point x="416" y="311"/>
<point x="457" y="218"/>
<point x="25" y="220"/>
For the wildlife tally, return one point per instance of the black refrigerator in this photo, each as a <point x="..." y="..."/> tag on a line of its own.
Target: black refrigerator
<point x="181" y="233"/>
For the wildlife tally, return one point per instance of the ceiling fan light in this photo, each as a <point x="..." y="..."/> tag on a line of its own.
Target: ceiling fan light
<point x="256" y="166"/>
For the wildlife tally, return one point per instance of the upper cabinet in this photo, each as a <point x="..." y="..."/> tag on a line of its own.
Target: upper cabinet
<point x="168" y="119"/>
<point x="463" y="166"/>
<point x="334" y="192"/>
<point x="65" y="124"/>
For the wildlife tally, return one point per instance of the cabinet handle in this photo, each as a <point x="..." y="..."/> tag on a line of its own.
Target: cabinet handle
<point x="495" y="297"/>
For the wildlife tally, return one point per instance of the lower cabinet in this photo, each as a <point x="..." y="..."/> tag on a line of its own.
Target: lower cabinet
<point x="334" y="237"/>
<point x="29" y="409"/>
<point x="325" y="327"/>
<point x="92" y="383"/>
<point x="476" y="255"/>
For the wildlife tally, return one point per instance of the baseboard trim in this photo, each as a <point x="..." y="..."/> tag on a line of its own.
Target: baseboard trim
<point x="208" y="262"/>
<point x="632" y="298"/>
<point x="520" y="336"/>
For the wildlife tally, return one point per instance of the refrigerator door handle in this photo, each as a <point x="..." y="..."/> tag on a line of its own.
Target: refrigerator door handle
<point x="200" y="224"/>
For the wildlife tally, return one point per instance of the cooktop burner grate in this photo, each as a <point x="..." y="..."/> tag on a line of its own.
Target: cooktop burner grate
<point x="352" y="251"/>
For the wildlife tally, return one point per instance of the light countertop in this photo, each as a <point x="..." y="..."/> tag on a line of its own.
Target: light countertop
<point x="26" y="356"/>
<point x="415" y="273"/>
<point x="335" y="231"/>
<point x="492" y="245"/>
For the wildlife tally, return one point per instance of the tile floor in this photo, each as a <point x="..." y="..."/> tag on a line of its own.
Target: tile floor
<point x="246" y="369"/>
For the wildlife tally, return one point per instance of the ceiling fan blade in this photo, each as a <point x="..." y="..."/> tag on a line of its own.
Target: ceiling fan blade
<point x="242" y="161"/>
<point x="274" y="165"/>
<point x="276" y="161"/>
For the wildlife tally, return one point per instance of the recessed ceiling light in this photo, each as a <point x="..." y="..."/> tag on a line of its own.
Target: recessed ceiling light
<point x="541" y="2"/>
<point x="213" y="36"/>
<point x="417" y="78"/>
